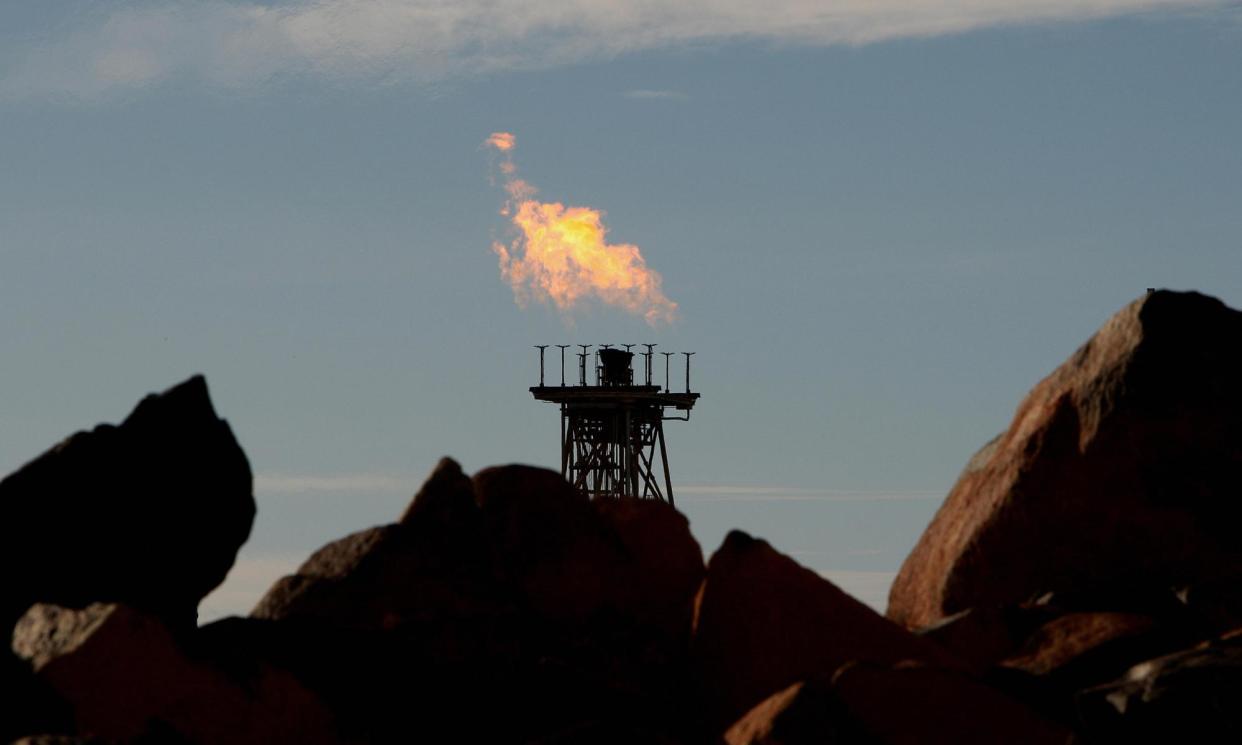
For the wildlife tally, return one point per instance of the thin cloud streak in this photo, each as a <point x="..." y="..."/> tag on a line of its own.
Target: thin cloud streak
<point x="734" y="494"/>
<point x="247" y="582"/>
<point x="349" y="482"/>
<point x="644" y="94"/>
<point x="242" y="45"/>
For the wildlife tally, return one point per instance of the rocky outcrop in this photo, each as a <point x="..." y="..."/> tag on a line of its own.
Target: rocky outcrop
<point x="150" y="512"/>
<point x="1079" y="584"/>
<point x="903" y="704"/>
<point x="508" y="586"/>
<point x="1122" y="466"/>
<point x="530" y="543"/>
<point x="126" y="679"/>
<point x="762" y="623"/>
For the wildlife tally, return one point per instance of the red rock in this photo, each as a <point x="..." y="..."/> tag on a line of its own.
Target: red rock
<point x="1063" y="640"/>
<point x="1121" y="467"/>
<point x="905" y="704"/>
<point x="548" y="541"/>
<point x="982" y="637"/>
<point x="126" y="677"/>
<point x="662" y="565"/>
<point x="150" y="513"/>
<point x="534" y="542"/>
<point x="762" y="623"/>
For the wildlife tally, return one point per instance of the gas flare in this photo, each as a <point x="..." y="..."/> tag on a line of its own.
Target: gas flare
<point x="560" y="254"/>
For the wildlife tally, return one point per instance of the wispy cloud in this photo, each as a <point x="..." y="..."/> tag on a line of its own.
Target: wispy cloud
<point x="276" y="483"/>
<point x="247" y="583"/>
<point x="239" y="44"/>
<point x="656" y="95"/>
<point x="705" y="493"/>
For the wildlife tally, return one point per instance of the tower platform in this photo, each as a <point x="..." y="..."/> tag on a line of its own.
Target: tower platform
<point x="612" y="433"/>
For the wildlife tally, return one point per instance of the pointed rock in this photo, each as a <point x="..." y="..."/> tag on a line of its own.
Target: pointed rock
<point x="446" y="497"/>
<point x="150" y="513"/>
<point x="762" y="623"/>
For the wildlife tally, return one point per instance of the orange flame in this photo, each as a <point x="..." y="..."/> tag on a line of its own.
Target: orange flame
<point x="560" y="255"/>
<point x="502" y="141"/>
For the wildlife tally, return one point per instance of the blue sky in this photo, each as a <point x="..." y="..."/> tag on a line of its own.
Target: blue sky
<point x="882" y="223"/>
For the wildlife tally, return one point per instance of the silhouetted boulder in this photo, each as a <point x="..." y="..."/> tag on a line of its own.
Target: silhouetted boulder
<point x="548" y="542"/>
<point x="904" y="704"/>
<point x="1122" y="466"/>
<point x="150" y="513"/>
<point x="762" y="623"/>
<point x="559" y="612"/>
<point x="127" y="678"/>
<point x="380" y="578"/>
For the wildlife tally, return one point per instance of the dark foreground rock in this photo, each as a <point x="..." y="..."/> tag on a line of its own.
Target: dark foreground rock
<point x="1190" y="696"/>
<point x="125" y="678"/>
<point x="30" y="704"/>
<point x="1122" y="466"/>
<point x="762" y="623"/>
<point x="149" y="513"/>
<point x="903" y="704"/>
<point x="1080" y="584"/>
<point x="565" y="615"/>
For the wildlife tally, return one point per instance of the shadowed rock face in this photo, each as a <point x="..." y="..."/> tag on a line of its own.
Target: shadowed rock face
<point x="762" y="622"/>
<point x="126" y="678"/>
<point x="150" y="512"/>
<point x="567" y="617"/>
<point x="1124" y="466"/>
<point x="513" y="537"/>
<point x="904" y="704"/>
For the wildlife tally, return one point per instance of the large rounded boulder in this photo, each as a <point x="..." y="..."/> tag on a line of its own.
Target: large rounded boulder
<point x="1123" y="468"/>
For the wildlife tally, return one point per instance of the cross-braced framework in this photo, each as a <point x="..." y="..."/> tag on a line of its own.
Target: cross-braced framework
<point x="613" y="452"/>
<point x="612" y="433"/>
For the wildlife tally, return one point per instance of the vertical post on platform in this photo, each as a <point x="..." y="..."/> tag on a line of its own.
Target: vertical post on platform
<point x="563" y="347"/>
<point x="541" y="348"/>
<point x="582" y="364"/>
<point x="688" y="356"/>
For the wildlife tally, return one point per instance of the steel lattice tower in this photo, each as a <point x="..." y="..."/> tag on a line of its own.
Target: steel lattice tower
<point x="612" y="432"/>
